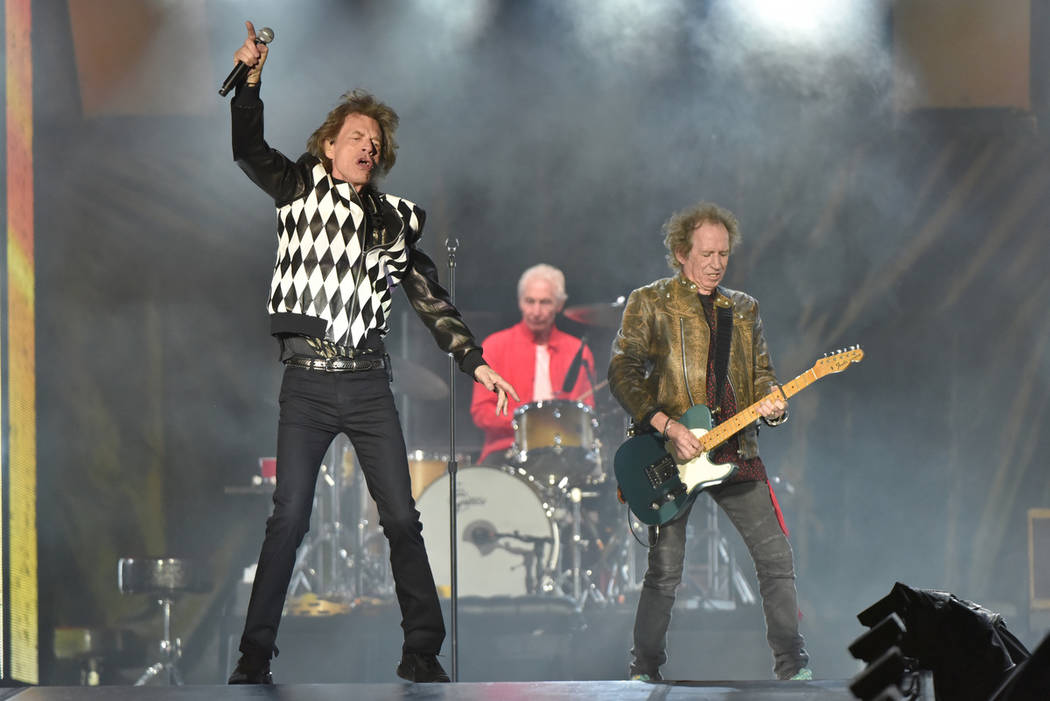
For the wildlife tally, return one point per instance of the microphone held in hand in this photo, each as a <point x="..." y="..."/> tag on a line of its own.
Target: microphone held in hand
<point x="239" y="71"/>
<point x="574" y="368"/>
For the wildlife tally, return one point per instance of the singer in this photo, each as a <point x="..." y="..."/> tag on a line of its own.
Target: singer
<point x="342" y="245"/>
<point x="535" y="356"/>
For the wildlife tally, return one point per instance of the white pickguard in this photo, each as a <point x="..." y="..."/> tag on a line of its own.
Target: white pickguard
<point x="700" y="470"/>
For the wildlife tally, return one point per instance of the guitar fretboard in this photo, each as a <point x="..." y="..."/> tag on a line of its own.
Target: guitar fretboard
<point x="727" y="428"/>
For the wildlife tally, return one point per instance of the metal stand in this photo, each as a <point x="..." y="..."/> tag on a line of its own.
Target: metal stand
<point x="583" y="587"/>
<point x="170" y="651"/>
<point x="163" y="577"/>
<point x="723" y="576"/>
<point x="330" y="565"/>
<point x="451" y="244"/>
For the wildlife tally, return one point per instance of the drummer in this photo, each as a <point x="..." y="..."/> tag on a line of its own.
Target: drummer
<point x="535" y="357"/>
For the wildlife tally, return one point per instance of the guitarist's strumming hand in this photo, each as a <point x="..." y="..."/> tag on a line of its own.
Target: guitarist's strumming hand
<point x="684" y="443"/>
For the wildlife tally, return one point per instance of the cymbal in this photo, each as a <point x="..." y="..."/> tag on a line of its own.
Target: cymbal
<point x="414" y="380"/>
<point x="607" y="314"/>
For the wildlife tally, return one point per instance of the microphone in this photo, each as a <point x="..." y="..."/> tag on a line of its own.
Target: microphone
<point x="239" y="71"/>
<point x="574" y="368"/>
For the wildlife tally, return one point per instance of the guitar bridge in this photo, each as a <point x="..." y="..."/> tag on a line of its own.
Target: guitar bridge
<point x="661" y="471"/>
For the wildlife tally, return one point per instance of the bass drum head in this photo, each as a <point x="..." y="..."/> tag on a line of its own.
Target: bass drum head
<point x="506" y="541"/>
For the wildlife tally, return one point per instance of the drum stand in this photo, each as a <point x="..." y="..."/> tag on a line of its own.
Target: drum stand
<point x="583" y="587"/>
<point x="722" y="575"/>
<point x="164" y="578"/>
<point x="324" y="560"/>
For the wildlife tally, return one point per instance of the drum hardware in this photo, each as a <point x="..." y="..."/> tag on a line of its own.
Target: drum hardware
<point x="164" y="578"/>
<point x="604" y="314"/>
<point x="622" y="567"/>
<point x="426" y="466"/>
<point x="321" y="560"/>
<point x="312" y="605"/>
<point x="557" y="437"/>
<point x="584" y="583"/>
<point x="721" y="574"/>
<point x="336" y="563"/>
<point x="415" y="381"/>
<point x="507" y="537"/>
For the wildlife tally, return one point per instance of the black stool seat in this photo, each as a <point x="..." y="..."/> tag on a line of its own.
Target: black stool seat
<point x="163" y="577"/>
<point x="160" y="575"/>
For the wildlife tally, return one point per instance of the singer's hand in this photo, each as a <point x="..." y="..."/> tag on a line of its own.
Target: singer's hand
<point x="252" y="54"/>
<point x="494" y="383"/>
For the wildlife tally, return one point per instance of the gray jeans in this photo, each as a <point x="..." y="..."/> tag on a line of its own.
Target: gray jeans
<point x="750" y="508"/>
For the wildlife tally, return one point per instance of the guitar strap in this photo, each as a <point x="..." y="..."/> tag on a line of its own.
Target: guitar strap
<point x="723" y="342"/>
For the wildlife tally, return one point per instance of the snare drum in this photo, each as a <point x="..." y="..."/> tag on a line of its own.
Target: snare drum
<point x="557" y="437"/>
<point x="508" y="542"/>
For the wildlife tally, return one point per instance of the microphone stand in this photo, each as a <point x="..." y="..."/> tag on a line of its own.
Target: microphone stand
<point x="451" y="244"/>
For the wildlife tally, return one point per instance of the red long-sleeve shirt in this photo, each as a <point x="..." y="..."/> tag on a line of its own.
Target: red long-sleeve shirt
<point x="512" y="353"/>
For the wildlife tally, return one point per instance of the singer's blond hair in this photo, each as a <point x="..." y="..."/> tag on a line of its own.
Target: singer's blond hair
<point x="358" y="102"/>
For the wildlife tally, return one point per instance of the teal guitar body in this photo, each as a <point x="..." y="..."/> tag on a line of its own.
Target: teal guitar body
<point x="655" y="486"/>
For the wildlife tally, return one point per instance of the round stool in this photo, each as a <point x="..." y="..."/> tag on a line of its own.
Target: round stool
<point x="164" y="578"/>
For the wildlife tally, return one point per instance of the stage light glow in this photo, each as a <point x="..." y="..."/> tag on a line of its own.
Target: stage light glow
<point x="828" y="23"/>
<point x="463" y="19"/>
<point x="629" y="31"/>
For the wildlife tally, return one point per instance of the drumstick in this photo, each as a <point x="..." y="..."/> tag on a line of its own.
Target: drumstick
<point x="591" y="391"/>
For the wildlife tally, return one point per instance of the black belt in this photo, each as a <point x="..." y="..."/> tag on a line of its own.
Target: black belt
<point x="337" y="364"/>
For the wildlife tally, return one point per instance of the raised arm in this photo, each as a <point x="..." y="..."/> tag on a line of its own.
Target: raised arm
<point x="281" y="178"/>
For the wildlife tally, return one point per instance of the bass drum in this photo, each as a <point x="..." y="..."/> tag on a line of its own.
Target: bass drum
<point x="507" y="541"/>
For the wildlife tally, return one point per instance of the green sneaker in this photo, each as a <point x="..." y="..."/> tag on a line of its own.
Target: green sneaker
<point x="803" y="675"/>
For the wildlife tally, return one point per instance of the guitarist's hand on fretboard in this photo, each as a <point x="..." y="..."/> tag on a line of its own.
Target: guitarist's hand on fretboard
<point x="771" y="407"/>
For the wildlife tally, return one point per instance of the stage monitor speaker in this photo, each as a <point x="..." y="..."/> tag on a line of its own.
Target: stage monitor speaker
<point x="967" y="647"/>
<point x="1039" y="558"/>
<point x="1030" y="680"/>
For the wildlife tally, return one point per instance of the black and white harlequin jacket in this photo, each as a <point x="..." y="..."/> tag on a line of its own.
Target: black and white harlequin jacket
<point x="340" y="254"/>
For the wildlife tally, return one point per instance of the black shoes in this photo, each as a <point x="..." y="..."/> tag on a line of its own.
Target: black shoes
<point x="421" y="668"/>
<point x="251" y="670"/>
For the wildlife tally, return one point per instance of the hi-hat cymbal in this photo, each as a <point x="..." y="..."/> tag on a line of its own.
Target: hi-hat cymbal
<point x="607" y="314"/>
<point x="416" y="381"/>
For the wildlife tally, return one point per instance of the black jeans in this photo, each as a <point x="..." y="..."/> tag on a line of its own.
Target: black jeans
<point x="315" y="407"/>
<point x="750" y="508"/>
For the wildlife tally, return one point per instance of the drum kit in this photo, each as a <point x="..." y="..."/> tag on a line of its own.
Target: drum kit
<point x="540" y="523"/>
<point x="543" y="521"/>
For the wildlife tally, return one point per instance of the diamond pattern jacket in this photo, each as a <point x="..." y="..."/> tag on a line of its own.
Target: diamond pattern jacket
<point x="341" y="253"/>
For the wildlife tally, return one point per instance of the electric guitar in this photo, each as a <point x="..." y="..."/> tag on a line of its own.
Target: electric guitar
<point x="658" y="487"/>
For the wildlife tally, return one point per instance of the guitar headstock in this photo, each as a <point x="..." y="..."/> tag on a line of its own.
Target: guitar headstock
<point x="838" y="361"/>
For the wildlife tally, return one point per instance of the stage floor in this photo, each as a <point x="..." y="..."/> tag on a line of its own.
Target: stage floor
<point x="825" y="690"/>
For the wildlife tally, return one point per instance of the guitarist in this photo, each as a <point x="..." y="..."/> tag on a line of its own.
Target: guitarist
<point x="676" y="334"/>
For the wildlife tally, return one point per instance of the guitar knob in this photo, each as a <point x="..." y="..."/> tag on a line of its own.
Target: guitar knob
<point x="654" y="506"/>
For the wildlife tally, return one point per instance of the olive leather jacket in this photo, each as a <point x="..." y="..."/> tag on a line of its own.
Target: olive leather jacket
<point x="649" y="372"/>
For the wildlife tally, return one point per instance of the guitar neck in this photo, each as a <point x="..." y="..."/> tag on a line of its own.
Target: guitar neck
<point x="727" y="428"/>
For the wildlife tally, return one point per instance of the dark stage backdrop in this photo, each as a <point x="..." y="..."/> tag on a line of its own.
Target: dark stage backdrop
<point x="547" y="132"/>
